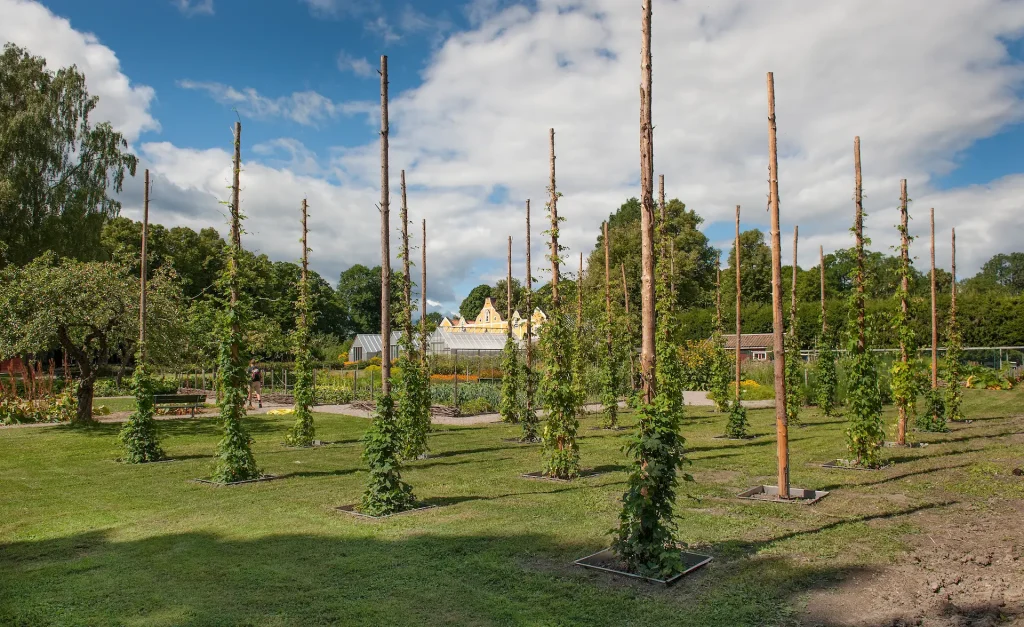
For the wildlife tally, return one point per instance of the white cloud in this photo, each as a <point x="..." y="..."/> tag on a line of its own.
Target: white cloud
<point x="381" y="27"/>
<point x="32" y="26"/>
<point x="357" y="65"/>
<point x="917" y="80"/>
<point x="304" y="107"/>
<point x="334" y="9"/>
<point x="194" y="7"/>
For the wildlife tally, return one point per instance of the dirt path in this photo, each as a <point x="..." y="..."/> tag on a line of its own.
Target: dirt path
<point x="966" y="568"/>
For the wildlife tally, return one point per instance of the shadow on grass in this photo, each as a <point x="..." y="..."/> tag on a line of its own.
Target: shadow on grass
<point x="744" y="444"/>
<point x="852" y="484"/>
<point x="469" y="451"/>
<point x="201" y="578"/>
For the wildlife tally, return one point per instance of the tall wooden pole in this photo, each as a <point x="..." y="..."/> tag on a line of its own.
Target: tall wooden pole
<point x="781" y="420"/>
<point x="385" y="240"/>
<point x="952" y="302"/>
<point x="423" y="296"/>
<point x="608" y="294"/>
<point x="858" y="194"/>
<point x="236" y="237"/>
<point x="579" y="298"/>
<point x="648" y="314"/>
<point x="935" y="317"/>
<point x="718" y="293"/>
<point x="305" y="258"/>
<point x="821" y="267"/>
<point x="629" y="327"/>
<point x="143" y="272"/>
<point x="508" y="287"/>
<point x="901" y="424"/>
<point x="792" y="303"/>
<point x="554" y="226"/>
<point x="739" y="303"/>
<point x="529" y="316"/>
<point x="406" y="273"/>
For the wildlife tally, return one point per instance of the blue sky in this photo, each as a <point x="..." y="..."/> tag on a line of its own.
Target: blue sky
<point x="476" y="84"/>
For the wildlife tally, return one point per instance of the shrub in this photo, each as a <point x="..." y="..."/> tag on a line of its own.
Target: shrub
<point x="476" y="406"/>
<point x="698" y="360"/>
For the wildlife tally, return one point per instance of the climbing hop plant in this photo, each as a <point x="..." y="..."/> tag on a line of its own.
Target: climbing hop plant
<point x="954" y="370"/>
<point x="933" y="418"/>
<point x="411" y="391"/>
<point x="303" y="431"/>
<point x="138" y="437"/>
<point x="235" y="461"/>
<point x="736" y="427"/>
<point x="646" y="536"/>
<point x="511" y="404"/>
<point x="794" y="376"/>
<point x="827" y="378"/>
<point x="385" y="493"/>
<point x="865" y="433"/>
<point x="610" y="383"/>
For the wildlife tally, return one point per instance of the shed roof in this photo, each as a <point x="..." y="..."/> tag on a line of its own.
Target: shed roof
<point x="753" y="341"/>
<point x="468" y="341"/>
<point x="370" y="342"/>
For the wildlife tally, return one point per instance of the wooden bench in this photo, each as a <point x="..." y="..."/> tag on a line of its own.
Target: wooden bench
<point x="177" y="401"/>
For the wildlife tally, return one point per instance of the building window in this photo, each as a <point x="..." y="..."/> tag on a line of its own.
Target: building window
<point x="394" y="352"/>
<point x="759" y="355"/>
<point x="357" y="353"/>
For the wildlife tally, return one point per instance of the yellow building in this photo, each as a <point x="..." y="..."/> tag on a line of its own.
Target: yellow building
<point x="490" y="321"/>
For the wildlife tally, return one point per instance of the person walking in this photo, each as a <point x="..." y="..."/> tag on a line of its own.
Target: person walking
<point x="255" y="384"/>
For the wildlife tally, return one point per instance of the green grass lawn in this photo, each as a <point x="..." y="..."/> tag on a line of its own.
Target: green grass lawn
<point x="114" y="403"/>
<point x="88" y="541"/>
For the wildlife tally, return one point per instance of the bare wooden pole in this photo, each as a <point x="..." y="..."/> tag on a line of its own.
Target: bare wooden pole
<point x="952" y="303"/>
<point x="529" y="316"/>
<point x="143" y="272"/>
<point x="859" y="232"/>
<point x="739" y="302"/>
<point x="608" y="294"/>
<point x="901" y="424"/>
<point x="508" y="287"/>
<point x="792" y="303"/>
<point x="236" y="236"/>
<point x="305" y="261"/>
<point x="385" y="239"/>
<point x="781" y="420"/>
<point x="718" y="292"/>
<point x="579" y="298"/>
<point x="821" y="265"/>
<point x="554" y="225"/>
<point x="423" y="296"/>
<point x="406" y="273"/>
<point x="629" y="326"/>
<point x="935" y="317"/>
<point x="648" y="314"/>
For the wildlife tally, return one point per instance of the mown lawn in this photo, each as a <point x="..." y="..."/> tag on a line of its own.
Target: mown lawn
<point x="88" y="541"/>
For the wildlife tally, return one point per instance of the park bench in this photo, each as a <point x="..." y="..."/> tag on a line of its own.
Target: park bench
<point x="176" y="401"/>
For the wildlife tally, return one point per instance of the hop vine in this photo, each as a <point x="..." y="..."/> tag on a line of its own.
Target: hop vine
<point x="138" y="438"/>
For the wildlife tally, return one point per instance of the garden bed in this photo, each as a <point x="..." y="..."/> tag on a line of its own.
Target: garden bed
<point x="220" y="484"/>
<point x="540" y="476"/>
<point x="770" y="494"/>
<point x="608" y="562"/>
<point x="354" y="511"/>
<point x="848" y="464"/>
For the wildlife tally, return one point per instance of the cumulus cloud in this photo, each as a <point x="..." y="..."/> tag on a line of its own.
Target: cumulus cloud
<point x="194" y="7"/>
<point x="919" y="81"/>
<point x="309" y="108"/>
<point x="34" y="27"/>
<point x="357" y="65"/>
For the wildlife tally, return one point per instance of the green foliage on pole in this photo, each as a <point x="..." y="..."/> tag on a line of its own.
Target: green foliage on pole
<point x="235" y="461"/>
<point x="138" y="438"/>
<point x="736" y="427"/>
<point x="646" y="536"/>
<point x="303" y="431"/>
<point x="794" y="376"/>
<point x="529" y="420"/>
<point x="610" y="383"/>
<point x="954" y="370"/>
<point x="511" y="406"/>
<point x="865" y="433"/>
<point x="827" y="378"/>
<point x="933" y="418"/>
<point x="559" y="388"/>
<point x="385" y="493"/>
<point x="412" y="398"/>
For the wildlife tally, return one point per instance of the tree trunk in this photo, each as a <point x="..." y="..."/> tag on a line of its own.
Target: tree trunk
<point x="781" y="420"/>
<point x="385" y="237"/>
<point x="901" y="425"/>
<point x="648" y="314"/>
<point x="85" y="391"/>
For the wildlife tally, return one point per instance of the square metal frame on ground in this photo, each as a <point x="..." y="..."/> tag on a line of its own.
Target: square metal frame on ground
<point x="770" y="494"/>
<point x="837" y="464"/>
<point x="540" y="476"/>
<point x="351" y="509"/>
<point x="691" y="561"/>
<point x="910" y="445"/>
<point x="220" y="484"/>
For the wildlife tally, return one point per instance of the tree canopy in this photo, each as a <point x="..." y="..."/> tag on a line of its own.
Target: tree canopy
<point x="57" y="171"/>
